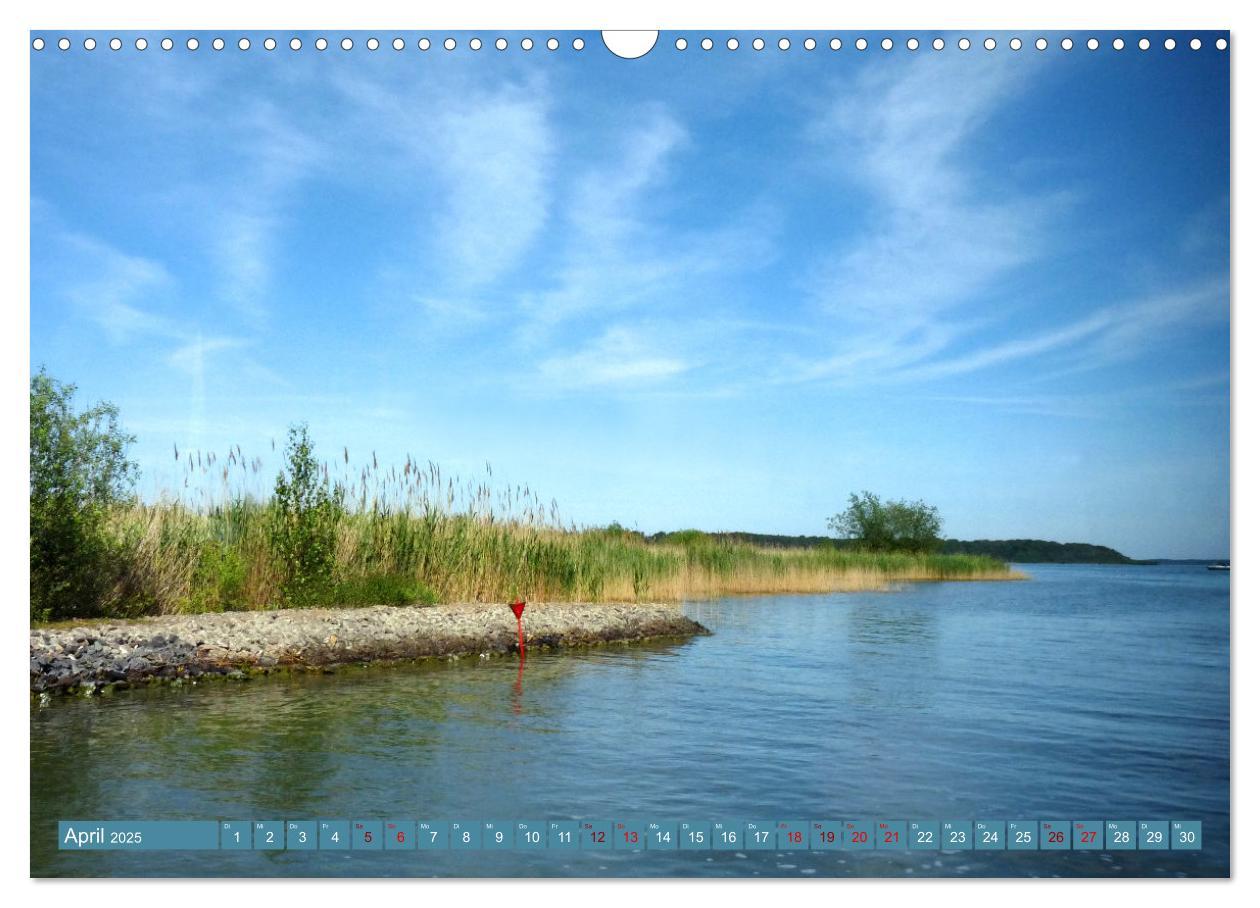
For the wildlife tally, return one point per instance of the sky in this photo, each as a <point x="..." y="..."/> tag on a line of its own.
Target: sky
<point x="714" y="289"/>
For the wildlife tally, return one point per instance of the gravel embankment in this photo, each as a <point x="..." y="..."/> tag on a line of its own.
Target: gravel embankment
<point x="88" y="657"/>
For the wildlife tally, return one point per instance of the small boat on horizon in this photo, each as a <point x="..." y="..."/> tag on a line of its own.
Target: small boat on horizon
<point x="1219" y="566"/>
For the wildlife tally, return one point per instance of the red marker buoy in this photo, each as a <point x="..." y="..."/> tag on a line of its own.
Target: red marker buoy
<point x="518" y="609"/>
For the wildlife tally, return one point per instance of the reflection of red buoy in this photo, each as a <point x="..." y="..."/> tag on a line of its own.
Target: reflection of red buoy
<point x="518" y="609"/>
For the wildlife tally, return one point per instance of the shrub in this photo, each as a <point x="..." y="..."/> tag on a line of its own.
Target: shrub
<point x="305" y="515"/>
<point x="79" y="469"/>
<point x="381" y="589"/>
<point x="686" y="538"/>
<point x="218" y="580"/>
<point x="889" y="526"/>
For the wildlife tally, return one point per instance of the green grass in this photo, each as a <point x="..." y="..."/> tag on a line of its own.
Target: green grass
<point x="416" y="537"/>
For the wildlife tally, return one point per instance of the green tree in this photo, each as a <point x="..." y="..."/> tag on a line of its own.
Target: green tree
<point x="888" y="526"/>
<point x="79" y="469"/>
<point x="305" y="517"/>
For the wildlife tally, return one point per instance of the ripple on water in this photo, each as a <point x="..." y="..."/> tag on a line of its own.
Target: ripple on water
<point x="699" y="729"/>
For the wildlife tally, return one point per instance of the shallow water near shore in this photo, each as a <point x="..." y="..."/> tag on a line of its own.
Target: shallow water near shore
<point x="1088" y="692"/>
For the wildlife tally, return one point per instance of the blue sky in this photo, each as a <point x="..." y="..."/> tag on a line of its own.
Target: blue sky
<point x="718" y="289"/>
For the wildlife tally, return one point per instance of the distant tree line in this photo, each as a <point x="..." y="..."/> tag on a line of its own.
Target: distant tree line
<point x="871" y="524"/>
<point x="1034" y="551"/>
<point x="762" y="540"/>
<point x="1023" y="551"/>
<point x="868" y="524"/>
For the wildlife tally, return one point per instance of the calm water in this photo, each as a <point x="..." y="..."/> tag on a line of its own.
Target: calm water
<point x="1085" y="693"/>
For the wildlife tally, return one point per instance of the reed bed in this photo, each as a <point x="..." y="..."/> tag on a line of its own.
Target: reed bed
<point x="413" y="534"/>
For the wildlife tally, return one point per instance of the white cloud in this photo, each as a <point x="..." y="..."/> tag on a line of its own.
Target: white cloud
<point x="1012" y="350"/>
<point x="107" y="285"/>
<point x="191" y="354"/>
<point x="932" y="234"/>
<point x="1135" y="327"/>
<point x="494" y="152"/>
<point x="489" y="175"/>
<point x="619" y="250"/>
<point x="939" y="237"/>
<point x="448" y="311"/>
<point x="1198" y="391"/>
<point x="938" y="232"/>
<point x="242" y="246"/>
<point x="245" y="214"/>
<point x="228" y="159"/>
<point x="486" y="153"/>
<point x="622" y="356"/>
<point x="1111" y="333"/>
<point x="123" y="294"/>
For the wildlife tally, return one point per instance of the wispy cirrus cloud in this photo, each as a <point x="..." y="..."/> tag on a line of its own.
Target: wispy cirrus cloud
<point x="245" y="212"/>
<point x="622" y="356"/>
<point x="129" y="298"/>
<point x="495" y="153"/>
<point x="109" y="286"/>
<point x="234" y="155"/>
<point x="799" y="259"/>
<point x="622" y="247"/>
<point x="937" y="229"/>
<point x="606" y="257"/>
<point x="908" y="297"/>
<point x="1155" y="320"/>
<point x="1196" y="391"/>
<point x="1111" y="333"/>
<point x="934" y="232"/>
<point x="622" y="286"/>
<point x="194" y="349"/>
<point x="472" y="160"/>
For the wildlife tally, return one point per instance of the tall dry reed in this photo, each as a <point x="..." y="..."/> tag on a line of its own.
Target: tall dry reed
<point x="415" y="534"/>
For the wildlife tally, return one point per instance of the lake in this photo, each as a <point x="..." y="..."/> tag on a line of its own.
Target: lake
<point x="1087" y="692"/>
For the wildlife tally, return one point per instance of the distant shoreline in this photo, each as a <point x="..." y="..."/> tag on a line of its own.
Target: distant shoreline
<point x="1011" y="551"/>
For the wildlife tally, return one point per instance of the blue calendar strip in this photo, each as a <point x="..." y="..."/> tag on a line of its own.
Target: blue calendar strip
<point x="363" y="835"/>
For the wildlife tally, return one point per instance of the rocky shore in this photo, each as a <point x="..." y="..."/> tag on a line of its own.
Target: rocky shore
<point x="83" y="659"/>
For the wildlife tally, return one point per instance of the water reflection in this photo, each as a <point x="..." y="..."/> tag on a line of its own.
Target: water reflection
<point x="893" y="652"/>
<point x="518" y="689"/>
<point x="940" y="700"/>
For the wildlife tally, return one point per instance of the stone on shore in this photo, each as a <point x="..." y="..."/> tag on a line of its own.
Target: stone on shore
<point x="230" y="644"/>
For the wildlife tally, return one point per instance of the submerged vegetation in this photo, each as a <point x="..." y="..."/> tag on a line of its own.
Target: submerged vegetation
<point x="337" y="534"/>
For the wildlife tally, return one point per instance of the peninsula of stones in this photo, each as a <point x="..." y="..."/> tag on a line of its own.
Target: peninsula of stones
<point x="86" y="658"/>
